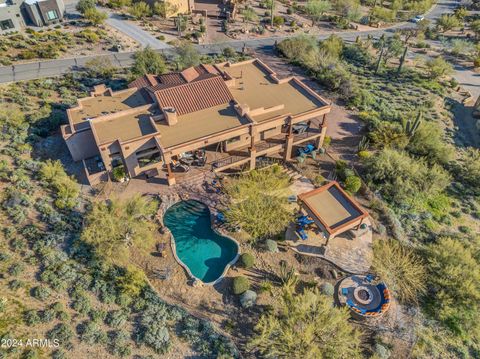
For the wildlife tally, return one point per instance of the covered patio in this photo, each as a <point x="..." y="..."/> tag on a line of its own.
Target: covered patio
<point x="332" y="226"/>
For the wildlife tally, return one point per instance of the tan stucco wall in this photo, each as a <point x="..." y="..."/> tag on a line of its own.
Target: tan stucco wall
<point x="82" y="145"/>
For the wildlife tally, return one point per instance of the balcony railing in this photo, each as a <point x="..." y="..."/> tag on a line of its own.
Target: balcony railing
<point x="227" y="161"/>
<point x="310" y="133"/>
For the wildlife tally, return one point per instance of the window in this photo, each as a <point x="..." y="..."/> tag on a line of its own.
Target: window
<point x="52" y="15"/>
<point x="6" y="24"/>
<point x="148" y="156"/>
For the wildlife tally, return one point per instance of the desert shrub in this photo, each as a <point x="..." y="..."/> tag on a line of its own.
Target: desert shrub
<point x="81" y="302"/>
<point x="271" y="246"/>
<point x="327" y="289"/>
<point x="62" y="332"/>
<point x="47" y="315"/>
<point x="112" y="227"/>
<point x="66" y="188"/>
<point x="186" y="55"/>
<point x="404" y="180"/>
<point x="60" y="274"/>
<point x="97" y="315"/>
<point x="240" y="285"/>
<point x="401" y="268"/>
<point x="329" y="332"/>
<point x="353" y="184"/>
<point x="247" y="260"/>
<point x="456" y="295"/>
<point x="438" y="67"/>
<point x="131" y="282"/>
<point x="31" y="318"/>
<point x="229" y="52"/>
<point x="119" y="344"/>
<point x="90" y="333"/>
<point x="15" y="284"/>
<point x="248" y="299"/>
<point x="41" y="293"/>
<point x="278" y="20"/>
<point x="117" y="318"/>
<point x="148" y="61"/>
<point x="16" y="269"/>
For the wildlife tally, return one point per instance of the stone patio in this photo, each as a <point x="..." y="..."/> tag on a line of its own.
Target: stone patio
<point x="351" y="251"/>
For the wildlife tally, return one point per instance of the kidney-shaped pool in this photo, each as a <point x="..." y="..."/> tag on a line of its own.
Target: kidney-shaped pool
<point x="204" y="252"/>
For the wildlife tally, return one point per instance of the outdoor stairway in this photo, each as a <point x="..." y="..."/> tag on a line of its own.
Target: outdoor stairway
<point x="294" y="175"/>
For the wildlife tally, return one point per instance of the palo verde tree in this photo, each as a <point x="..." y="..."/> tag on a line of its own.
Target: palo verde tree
<point x="258" y="202"/>
<point x="316" y="9"/>
<point x="147" y="61"/>
<point x="306" y="326"/>
<point x="113" y="227"/>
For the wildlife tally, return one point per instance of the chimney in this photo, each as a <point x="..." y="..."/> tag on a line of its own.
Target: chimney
<point x="98" y="90"/>
<point x="170" y="115"/>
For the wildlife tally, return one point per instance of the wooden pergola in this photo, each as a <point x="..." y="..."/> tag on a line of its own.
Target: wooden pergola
<point x="333" y="210"/>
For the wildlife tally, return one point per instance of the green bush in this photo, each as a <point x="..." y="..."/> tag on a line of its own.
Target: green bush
<point x="240" y="285"/>
<point x="248" y="299"/>
<point x="41" y="292"/>
<point x="278" y="20"/>
<point x="327" y="289"/>
<point x="247" y="260"/>
<point x="271" y="246"/>
<point x="118" y="173"/>
<point x="353" y="184"/>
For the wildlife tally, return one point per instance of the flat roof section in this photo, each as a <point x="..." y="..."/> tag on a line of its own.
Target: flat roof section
<point x="332" y="206"/>
<point x="123" y="128"/>
<point x="199" y="124"/>
<point x="92" y="107"/>
<point x="254" y="87"/>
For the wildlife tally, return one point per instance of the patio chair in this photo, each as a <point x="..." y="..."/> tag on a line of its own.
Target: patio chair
<point x="220" y="217"/>
<point x="350" y="303"/>
<point x="369" y="278"/>
<point x="303" y="235"/>
<point x="345" y="291"/>
<point x="292" y="198"/>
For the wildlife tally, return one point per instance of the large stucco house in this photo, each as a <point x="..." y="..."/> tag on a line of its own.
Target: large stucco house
<point x="218" y="117"/>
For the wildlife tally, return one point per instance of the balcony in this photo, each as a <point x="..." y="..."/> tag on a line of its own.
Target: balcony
<point x="307" y="135"/>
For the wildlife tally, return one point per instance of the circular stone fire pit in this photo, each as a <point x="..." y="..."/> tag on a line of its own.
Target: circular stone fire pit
<point x="363" y="295"/>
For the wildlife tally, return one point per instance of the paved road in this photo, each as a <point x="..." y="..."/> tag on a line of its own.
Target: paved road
<point x="58" y="67"/>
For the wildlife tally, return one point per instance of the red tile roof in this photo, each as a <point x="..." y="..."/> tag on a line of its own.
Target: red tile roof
<point x="196" y="95"/>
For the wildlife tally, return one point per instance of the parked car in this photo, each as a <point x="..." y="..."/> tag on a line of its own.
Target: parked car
<point x="418" y="18"/>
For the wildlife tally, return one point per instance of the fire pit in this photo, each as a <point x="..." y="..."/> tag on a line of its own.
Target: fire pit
<point x="363" y="295"/>
<point x="364" y="298"/>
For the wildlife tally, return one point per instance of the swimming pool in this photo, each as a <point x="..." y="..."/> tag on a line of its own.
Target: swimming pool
<point x="205" y="253"/>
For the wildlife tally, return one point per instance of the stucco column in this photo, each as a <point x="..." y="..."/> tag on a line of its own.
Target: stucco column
<point x="321" y="138"/>
<point x="253" y="153"/>
<point x="170" y="176"/>
<point x="287" y="155"/>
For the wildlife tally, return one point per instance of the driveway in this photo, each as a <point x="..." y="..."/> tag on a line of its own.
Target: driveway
<point x="135" y="32"/>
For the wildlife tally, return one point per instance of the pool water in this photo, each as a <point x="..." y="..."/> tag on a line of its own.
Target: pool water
<point x="197" y="245"/>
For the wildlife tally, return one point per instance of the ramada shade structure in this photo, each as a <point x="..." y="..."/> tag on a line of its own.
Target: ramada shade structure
<point x="333" y="210"/>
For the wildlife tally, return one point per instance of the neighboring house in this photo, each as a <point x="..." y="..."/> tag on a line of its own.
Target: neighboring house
<point x="44" y="12"/>
<point x="16" y="14"/>
<point x="234" y="115"/>
<point x="11" y="18"/>
<point x="211" y="8"/>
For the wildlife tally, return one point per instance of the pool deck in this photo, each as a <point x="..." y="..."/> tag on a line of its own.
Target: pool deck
<point x="351" y="255"/>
